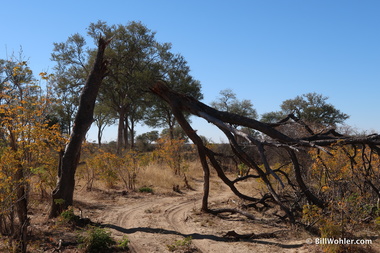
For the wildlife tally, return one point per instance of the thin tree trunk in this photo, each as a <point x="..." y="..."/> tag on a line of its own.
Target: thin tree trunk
<point x="126" y="132"/>
<point x="120" y="131"/>
<point x="201" y="152"/>
<point x="22" y="210"/>
<point x="132" y="131"/>
<point x="21" y="203"/>
<point x="99" y="139"/>
<point x="101" y="128"/>
<point x="62" y="196"/>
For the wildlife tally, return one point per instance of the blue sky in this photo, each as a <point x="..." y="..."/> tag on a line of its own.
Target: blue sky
<point x="266" y="51"/>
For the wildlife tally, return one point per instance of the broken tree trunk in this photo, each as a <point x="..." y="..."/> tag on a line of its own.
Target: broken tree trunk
<point x="270" y="137"/>
<point x="64" y="191"/>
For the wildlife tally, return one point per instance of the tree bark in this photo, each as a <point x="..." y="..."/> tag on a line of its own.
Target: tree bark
<point x="297" y="171"/>
<point x="22" y="210"/>
<point x="64" y="191"/>
<point x="181" y="103"/>
<point x="126" y="131"/>
<point x="201" y="152"/>
<point x="21" y="203"/>
<point x="120" y="131"/>
<point x="100" y="133"/>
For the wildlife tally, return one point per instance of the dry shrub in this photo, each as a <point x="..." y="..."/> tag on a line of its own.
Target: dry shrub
<point x="194" y="170"/>
<point x="161" y="178"/>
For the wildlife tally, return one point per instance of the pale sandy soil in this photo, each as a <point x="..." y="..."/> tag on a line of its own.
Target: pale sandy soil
<point x="153" y="221"/>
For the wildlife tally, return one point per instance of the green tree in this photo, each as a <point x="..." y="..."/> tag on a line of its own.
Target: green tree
<point x="312" y="108"/>
<point x="71" y="71"/>
<point x="103" y="117"/>
<point x="133" y="54"/>
<point x="144" y="141"/>
<point x="228" y="102"/>
<point x="176" y="74"/>
<point x="135" y="60"/>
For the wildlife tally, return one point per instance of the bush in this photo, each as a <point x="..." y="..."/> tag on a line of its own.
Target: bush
<point x="146" y="189"/>
<point x="96" y="240"/>
<point x="183" y="244"/>
<point x="68" y="216"/>
<point x="123" y="244"/>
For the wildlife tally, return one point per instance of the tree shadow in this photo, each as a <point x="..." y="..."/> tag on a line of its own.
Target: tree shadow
<point x="197" y="236"/>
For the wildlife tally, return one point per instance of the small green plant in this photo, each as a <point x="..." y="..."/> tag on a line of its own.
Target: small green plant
<point x="243" y="169"/>
<point x="59" y="201"/>
<point x="95" y="240"/>
<point x="377" y="223"/>
<point x="68" y="216"/>
<point x="146" y="189"/>
<point x="123" y="243"/>
<point x="183" y="244"/>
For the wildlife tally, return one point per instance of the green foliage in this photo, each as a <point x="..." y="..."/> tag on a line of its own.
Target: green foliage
<point x="144" y="142"/>
<point x="146" y="189"/>
<point x="68" y="216"/>
<point x="243" y="169"/>
<point x="183" y="244"/>
<point x="228" y="102"/>
<point x="377" y="223"/>
<point x="96" y="240"/>
<point x="311" y="108"/>
<point x="59" y="201"/>
<point x="124" y="243"/>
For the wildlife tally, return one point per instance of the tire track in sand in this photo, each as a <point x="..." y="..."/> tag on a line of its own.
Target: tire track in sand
<point x="180" y="216"/>
<point x="144" y="221"/>
<point x="129" y="220"/>
<point x="152" y="222"/>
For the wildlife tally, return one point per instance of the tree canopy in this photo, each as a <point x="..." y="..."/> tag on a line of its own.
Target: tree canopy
<point x="228" y="102"/>
<point x="135" y="59"/>
<point x="312" y="108"/>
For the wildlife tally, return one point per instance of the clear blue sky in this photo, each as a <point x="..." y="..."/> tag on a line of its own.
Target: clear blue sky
<point x="266" y="51"/>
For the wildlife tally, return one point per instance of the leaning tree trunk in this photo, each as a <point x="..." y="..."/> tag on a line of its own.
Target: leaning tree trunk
<point x="64" y="191"/>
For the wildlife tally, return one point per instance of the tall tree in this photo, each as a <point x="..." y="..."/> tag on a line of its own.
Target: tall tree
<point x="176" y="73"/>
<point x="136" y="58"/>
<point x="70" y="74"/>
<point x="63" y="193"/>
<point x="133" y="55"/>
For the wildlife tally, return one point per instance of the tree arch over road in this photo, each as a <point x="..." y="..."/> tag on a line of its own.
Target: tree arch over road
<point x="291" y="184"/>
<point x="366" y="147"/>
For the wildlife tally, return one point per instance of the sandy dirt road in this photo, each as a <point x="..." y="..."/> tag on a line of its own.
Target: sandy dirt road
<point x="154" y="221"/>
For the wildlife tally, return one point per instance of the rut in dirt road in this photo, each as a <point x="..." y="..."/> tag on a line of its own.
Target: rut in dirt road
<point x="154" y="221"/>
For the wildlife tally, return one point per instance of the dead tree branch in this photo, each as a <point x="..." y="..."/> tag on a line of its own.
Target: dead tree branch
<point x="270" y="138"/>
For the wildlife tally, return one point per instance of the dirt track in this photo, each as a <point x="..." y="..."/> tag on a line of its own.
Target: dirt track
<point x="153" y="221"/>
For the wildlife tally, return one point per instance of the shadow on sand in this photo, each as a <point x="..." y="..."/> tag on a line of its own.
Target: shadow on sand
<point x="197" y="236"/>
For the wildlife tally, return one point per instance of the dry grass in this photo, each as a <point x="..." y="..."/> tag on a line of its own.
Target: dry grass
<point x="162" y="179"/>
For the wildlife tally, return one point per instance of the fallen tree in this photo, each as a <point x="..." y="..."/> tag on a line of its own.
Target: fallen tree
<point x="298" y="193"/>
